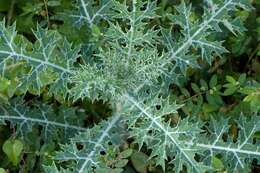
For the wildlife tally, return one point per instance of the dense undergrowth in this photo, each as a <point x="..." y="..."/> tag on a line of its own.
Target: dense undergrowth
<point x="129" y="86"/>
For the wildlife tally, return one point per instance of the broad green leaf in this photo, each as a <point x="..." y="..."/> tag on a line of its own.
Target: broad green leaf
<point x="207" y="108"/>
<point x="52" y="3"/>
<point x="204" y="85"/>
<point x="4" y="84"/>
<point x="13" y="149"/>
<point x="121" y="163"/>
<point x="140" y="161"/>
<point x="231" y="80"/>
<point x="213" y="81"/>
<point x="195" y="88"/>
<point x="95" y="31"/>
<point x="110" y="170"/>
<point x="230" y="91"/>
<point x="2" y="170"/>
<point x="217" y="163"/>
<point x="242" y="79"/>
<point x="127" y="153"/>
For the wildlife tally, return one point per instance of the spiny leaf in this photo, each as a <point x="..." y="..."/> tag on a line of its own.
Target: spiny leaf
<point x="149" y="127"/>
<point x="236" y="155"/>
<point x="87" y="158"/>
<point x="47" y="61"/>
<point x="129" y="61"/>
<point x="89" y="12"/>
<point x="196" y="33"/>
<point x="62" y="124"/>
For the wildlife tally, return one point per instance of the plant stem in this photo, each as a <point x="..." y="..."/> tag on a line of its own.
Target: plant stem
<point x="47" y="12"/>
<point x="10" y="12"/>
<point x="251" y="56"/>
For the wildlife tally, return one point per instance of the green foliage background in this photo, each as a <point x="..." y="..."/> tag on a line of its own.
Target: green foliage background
<point x="225" y="87"/>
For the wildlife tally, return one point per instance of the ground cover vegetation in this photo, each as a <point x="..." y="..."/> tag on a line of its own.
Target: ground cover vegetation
<point x="135" y="86"/>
